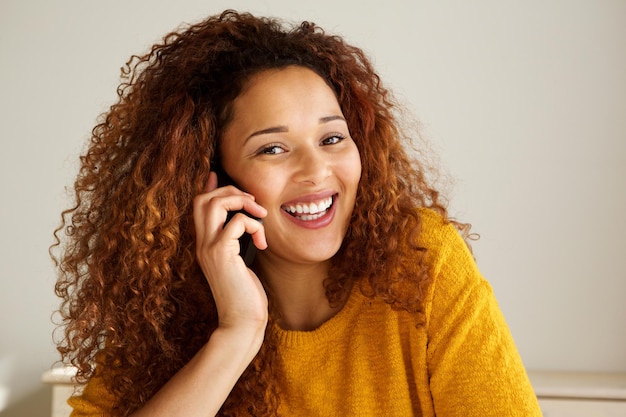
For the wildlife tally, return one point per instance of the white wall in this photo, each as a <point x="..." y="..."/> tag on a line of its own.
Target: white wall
<point x="524" y="101"/>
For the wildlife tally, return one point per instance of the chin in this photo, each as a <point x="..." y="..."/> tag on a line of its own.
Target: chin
<point x="307" y="255"/>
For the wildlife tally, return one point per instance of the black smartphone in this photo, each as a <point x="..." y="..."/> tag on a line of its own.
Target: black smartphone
<point x="247" y="250"/>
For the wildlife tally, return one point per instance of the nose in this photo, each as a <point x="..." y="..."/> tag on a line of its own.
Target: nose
<point x="313" y="166"/>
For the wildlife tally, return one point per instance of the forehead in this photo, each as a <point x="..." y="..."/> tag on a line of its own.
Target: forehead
<point x="282" y="73"/>
<point x="293" y="85"/>
<point x="292" y="99"/>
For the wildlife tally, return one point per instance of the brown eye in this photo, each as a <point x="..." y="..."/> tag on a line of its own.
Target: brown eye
<point x="333" y="139"/>
<point x="271" y="150"/>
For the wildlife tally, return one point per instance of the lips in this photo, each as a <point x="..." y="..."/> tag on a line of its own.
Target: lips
<point x="311" y="210"/>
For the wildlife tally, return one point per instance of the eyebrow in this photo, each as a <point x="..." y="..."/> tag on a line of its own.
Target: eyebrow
<point x="282" y="129"/>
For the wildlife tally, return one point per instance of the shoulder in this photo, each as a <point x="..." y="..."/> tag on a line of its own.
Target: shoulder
<point x="443" y="242"/>
<point x="456" y="281"/>
<point x="92" y="400"/>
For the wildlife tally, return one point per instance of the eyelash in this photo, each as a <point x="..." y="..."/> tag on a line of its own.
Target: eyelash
<point x="337" y="136"/>
<point x="267" y="150"/>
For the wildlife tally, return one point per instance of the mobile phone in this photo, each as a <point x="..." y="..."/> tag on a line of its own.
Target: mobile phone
<point x="247" y="250"/>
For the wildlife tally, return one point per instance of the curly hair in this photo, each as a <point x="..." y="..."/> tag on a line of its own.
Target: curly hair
<point x="135" y="304"/>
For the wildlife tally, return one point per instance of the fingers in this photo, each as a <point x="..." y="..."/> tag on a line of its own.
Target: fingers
<point x="239" y="295"/>
<point x="211" y="209"/>
<point x="241" y="223"/>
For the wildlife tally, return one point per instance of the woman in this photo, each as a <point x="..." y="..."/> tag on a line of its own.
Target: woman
<point x="363" y="298"/>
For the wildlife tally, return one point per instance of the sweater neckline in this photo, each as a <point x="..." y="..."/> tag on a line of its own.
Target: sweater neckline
<point x="327" y="331"/>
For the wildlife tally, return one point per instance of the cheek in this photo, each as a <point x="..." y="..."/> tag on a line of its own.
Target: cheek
<point x="265" y="186"/>
<point x="351" y="168"/>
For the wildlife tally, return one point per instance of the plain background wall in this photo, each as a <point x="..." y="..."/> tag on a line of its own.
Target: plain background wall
<point x="525" y="103"/>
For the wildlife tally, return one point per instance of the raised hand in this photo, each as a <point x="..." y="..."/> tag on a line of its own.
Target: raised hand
<point x="239" y="296"/>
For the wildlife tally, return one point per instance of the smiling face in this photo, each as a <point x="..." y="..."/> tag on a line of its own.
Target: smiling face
<point x="288" y="144"/>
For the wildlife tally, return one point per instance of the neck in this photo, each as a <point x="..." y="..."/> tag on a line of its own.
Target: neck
<point x="298" y="293"/>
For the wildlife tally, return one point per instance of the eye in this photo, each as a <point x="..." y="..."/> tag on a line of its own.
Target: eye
<point x="333" y="139"/>
<point x="271" y="150"/>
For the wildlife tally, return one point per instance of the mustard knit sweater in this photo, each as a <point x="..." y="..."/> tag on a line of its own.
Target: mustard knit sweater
<point x="370" y="360"/>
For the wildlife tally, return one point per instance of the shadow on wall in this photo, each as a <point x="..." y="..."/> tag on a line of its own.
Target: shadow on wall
<point x="36" y="404"/>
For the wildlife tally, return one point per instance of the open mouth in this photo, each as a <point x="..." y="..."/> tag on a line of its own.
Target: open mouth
<point x="311" y="210"/>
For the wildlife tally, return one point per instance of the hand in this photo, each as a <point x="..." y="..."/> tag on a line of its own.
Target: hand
<point x="239" y="296"/>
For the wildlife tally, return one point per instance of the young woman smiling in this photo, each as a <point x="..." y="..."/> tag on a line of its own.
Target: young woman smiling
<point x="363" y="298"/>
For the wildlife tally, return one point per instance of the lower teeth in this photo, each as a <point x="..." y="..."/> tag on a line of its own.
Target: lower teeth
<point x="308" y="217"/>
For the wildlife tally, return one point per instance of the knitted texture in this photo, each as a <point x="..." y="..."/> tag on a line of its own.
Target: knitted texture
<point x="370" y="360"/>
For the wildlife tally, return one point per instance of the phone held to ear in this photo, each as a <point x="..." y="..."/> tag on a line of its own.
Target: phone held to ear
<point x="247" y="250"/>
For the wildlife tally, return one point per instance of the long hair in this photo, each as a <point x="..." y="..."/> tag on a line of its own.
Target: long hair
<point x="135" y="303"/>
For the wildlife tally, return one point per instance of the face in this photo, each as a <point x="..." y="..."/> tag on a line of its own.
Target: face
<point x="288" y="144"/>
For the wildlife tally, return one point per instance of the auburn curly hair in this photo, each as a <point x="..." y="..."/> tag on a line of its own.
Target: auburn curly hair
<point x="135" y="303"/>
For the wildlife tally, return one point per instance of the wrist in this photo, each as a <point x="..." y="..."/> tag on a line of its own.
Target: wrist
<point x="243" y="340"/>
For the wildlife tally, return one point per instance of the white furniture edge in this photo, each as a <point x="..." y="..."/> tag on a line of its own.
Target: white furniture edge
<point x="558" y="384"/>
<point x="584" y="385"/>
<point x="61" y="375"/>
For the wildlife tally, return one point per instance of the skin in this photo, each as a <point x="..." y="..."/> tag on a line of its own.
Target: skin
<point x="287" y="145"/>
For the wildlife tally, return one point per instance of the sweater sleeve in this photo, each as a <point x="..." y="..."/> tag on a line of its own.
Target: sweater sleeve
<point x="473" y="363"/>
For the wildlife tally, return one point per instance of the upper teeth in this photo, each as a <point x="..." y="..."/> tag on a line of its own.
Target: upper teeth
<point x="309" y="208"/>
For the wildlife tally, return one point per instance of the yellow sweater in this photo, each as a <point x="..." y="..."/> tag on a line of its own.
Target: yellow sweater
<point x="370" y="360"/>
